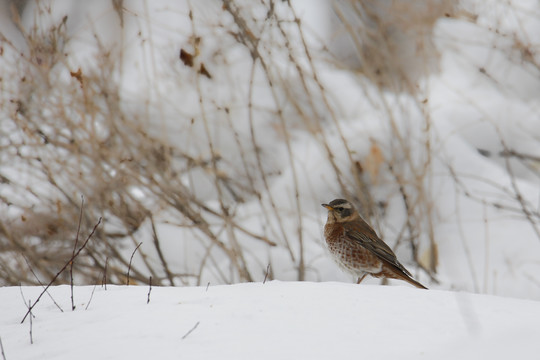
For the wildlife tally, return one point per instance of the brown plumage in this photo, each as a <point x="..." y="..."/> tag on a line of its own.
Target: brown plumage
<point x="356" y="247"/>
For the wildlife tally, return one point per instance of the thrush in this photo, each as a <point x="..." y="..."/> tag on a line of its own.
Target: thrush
<point x="356" y="247"/>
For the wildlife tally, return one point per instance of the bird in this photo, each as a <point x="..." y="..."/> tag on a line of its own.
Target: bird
<point x="356" y="247"/>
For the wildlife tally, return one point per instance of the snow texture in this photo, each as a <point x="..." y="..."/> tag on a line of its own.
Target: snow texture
<point x="275" y="320"/>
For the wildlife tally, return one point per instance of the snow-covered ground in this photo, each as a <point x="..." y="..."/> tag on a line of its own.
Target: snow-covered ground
<point x="275" y="320"/>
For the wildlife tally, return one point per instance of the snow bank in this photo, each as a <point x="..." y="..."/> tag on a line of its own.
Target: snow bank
<point x="276" y="320"/>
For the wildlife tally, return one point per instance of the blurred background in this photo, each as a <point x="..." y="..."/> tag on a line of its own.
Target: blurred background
<point x="206" y="134"/>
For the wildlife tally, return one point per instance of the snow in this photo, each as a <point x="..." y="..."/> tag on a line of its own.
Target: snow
<point x="273" y="320"/>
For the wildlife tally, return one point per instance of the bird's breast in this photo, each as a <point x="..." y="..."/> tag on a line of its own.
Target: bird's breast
<point x="333" y="233"/>
<point x="349" y="253"/>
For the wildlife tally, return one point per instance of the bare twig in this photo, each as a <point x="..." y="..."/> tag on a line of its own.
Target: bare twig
<point x="63" y="269"/>
<point x="31" y="315"/>
<point x="517" y="193"/>
<point x="191" y="330"/>
<point x="73" y="254"/>
<point x="2" y="350"/>
<point x="104" y="280"/>
<point x="410" y="227"/>
<point x="160" y="253"/>
<point x="149" y="290"/>
<point x="40" y="283"/>
<point x="91" y="295"/>
<point x="22" y="294"/>
<point x="131" y="259"/>
<point x="513" y="153"/>
<point x="245" y="37"/>
<point x="266" y="274"/>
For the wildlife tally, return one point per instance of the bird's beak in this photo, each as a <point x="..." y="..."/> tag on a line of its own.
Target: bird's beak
<point x="327" y="206"/>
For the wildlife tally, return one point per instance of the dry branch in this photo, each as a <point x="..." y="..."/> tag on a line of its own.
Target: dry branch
<point x="191" y="330"/>
<point x="62" y="270"/>
<point x="74" y="249"/>
<point x="130" y="260"/>
<point x="2" y="350"/>
<point x="149" y="290"/>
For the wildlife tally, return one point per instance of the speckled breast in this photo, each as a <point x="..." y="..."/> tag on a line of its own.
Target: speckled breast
<point x="349" y="253"/>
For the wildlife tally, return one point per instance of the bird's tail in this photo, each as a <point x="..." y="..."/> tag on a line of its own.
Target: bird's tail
<point x="400" y="273"/>
<point x="413" y="282"/>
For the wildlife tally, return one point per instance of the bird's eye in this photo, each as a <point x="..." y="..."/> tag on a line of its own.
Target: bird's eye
<point x="344" y="212"/>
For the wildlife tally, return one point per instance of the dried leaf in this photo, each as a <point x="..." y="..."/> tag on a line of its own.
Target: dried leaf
<point x="204" y="72"/>
<point x="77" y="75"/>
<point x="373" y="161"/>
<point x="429" y="259"/>
<point x="118" y="6"/>
<point x="186" y="58"/>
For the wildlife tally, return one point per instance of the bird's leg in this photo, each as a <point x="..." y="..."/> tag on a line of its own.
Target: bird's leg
<point x="361" y="278"/>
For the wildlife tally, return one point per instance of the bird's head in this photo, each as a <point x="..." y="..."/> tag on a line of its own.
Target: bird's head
<point x="340" y="210"/>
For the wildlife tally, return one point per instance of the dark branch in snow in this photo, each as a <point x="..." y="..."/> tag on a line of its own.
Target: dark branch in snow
<point x="63" y="268"/>
<point x="131" y="259"/>
<point x="190" y="331"/>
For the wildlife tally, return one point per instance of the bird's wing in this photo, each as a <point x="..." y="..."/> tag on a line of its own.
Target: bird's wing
<point x="369" y="239"/>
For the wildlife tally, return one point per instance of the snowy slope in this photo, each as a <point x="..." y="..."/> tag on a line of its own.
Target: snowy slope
<point x="276" y="320"/>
